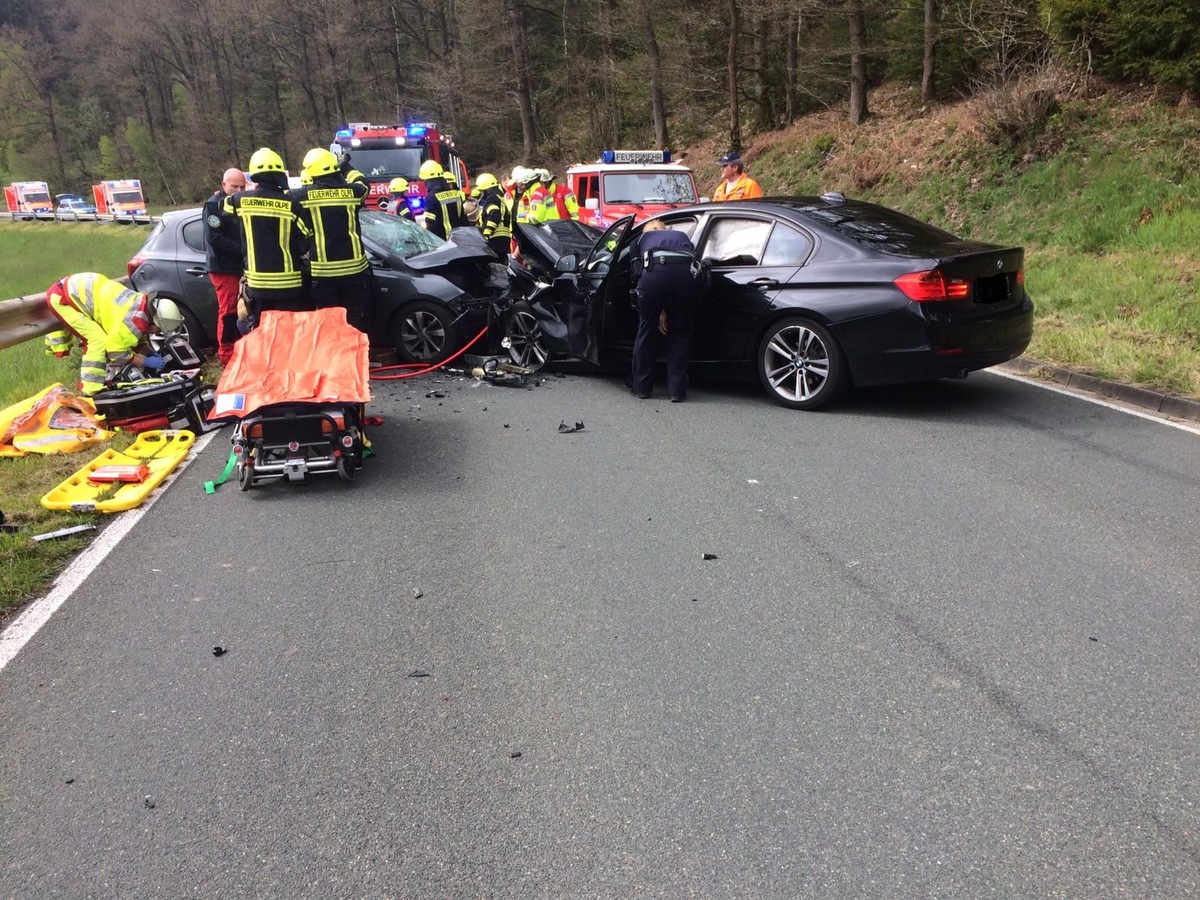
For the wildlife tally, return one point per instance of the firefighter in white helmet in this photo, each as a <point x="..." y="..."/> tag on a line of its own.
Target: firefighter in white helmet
<point x="111" y="322"/>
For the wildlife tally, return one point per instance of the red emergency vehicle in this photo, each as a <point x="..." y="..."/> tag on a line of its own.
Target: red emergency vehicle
<point x="121" y="198"/>
<point x="384" y="152"/>
<point x="640" y="183"/>
<point x="29" y="198"/>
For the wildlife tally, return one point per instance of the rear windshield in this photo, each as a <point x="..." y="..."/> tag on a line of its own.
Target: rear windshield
<point x="881" y="228"/>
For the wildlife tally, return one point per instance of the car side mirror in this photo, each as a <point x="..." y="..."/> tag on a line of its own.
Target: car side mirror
<point x="592" y="203"/>
<point x="568" y="263"/>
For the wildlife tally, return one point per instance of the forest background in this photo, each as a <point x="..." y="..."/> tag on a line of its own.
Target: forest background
<point x="174" y="91"/>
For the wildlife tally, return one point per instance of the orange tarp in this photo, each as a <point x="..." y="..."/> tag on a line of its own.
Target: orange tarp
<point x="295" y="357"/>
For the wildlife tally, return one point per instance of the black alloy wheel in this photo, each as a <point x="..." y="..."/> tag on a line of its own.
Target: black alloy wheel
<point x="523" y="337"/>
<point x="423" y="333"/>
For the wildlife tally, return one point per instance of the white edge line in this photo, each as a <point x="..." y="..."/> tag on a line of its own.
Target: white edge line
<point x="1083" y="395"/>
<point x="38" y="613"/>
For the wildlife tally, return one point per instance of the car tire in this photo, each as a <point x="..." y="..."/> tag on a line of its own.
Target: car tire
<point x="800" y="364"/>
<point x="194" y="331"/>
<point x="524" y="337"/>
<point x="423" y="333"/>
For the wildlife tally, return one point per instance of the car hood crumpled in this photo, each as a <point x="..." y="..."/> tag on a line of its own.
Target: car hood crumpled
<point x="465" y="244"/>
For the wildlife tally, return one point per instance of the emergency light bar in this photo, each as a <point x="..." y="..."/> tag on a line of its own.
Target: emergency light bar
<point x="635" y="156"/>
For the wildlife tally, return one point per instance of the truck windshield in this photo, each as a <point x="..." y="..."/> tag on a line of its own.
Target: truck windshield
<point x="649" y="187"/>
<point x="128" y="197"/>
<point x="386" y="162"/>
<point x="37" y="197"/>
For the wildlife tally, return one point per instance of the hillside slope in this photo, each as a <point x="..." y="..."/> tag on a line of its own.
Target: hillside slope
<point x="1099" y="184"/>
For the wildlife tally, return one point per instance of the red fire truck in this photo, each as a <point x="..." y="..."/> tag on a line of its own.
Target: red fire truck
<point x="384" y="152"/>
<point x="625" y="182"/>
<point x="121" y="198"/>
<point x="28" y="198"/>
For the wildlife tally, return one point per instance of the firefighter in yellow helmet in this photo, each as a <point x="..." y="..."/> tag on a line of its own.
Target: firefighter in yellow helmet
<point x="398" y="188"/>
<point x="443" y="201"/>
<point x="112" y="323"/>
<point x="495" y="215"/>
<point x="273" y="237"/>
<point x="341" y="275"/>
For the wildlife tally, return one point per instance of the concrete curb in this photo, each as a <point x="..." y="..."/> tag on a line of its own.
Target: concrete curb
<point x="1168" y="405"/>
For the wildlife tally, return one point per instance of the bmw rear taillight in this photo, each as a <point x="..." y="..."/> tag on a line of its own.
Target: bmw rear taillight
<point x="133" y="265"/>
<point x="931" y="285"/>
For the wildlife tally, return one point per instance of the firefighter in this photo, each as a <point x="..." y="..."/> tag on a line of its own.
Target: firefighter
<point x="342" y="155"/>
<point x="112" y="323"/>
<point x="495" y="214"/>
<point x="735" y="183"/>
<point x="223" y="256"/>
<point x="530" y="187"/>
<point x="552" y="200"/>
<point x="443" y="202"/>
<point x="341" y="275"/>
<point x="273" y="235"/>
<point x="398" y="188"/>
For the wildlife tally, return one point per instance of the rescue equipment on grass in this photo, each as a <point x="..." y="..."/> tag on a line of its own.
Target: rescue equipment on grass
<point x="54" y="421"/>
<point x="116" y="481"/>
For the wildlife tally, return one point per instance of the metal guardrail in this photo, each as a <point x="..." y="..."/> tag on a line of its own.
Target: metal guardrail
<point x="24" y="319"/>
<point x="76" y="217"/>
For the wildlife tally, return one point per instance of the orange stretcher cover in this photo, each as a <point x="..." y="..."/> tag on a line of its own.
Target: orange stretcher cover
<point x="295" y="357"/>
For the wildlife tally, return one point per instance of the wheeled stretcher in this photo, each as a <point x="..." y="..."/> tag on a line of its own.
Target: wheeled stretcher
<point x="297" y="385"/>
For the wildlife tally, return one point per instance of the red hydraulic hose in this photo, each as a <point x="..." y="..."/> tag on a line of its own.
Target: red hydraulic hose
<point x="377" y="376"/>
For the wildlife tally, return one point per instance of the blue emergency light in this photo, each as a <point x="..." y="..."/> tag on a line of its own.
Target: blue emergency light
<point x="345" y="133"/>
<point x="416" y="130"/>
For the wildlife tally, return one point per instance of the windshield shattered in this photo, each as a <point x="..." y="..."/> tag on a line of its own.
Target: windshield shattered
<point x="398" y="236"/>
<point x="648" y="187"/>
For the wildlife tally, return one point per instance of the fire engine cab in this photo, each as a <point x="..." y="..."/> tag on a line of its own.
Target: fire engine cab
<point x="640" y="183"/>
<point x="121" y="198"/>
<point x="30" y="198"/>
<point x="384" y="152"/>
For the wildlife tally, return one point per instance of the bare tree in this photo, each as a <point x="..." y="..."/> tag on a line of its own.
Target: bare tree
<point x="929" y="57"/>
<point x="858" y="61"/>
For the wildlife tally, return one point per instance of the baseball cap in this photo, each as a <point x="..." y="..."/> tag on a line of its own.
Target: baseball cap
<point x="730" y="158"/>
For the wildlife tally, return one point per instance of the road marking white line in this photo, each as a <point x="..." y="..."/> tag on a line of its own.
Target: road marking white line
<point x="1091" y="398"/>
<point x="38" y="613"/>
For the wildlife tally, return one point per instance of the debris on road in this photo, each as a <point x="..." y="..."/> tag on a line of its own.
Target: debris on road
<point x="63" y="532"/>
<point x="564" y="428"/>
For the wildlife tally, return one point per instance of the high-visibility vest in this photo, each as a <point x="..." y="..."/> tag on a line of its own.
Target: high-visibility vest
<point x="108" y="318"/>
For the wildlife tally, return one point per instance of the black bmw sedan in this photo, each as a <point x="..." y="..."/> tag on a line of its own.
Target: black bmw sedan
<point x="810" y="295"/>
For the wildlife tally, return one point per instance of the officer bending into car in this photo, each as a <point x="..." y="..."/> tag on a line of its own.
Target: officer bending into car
<point x="667" y="290"/>
<point x="341" y="274"/>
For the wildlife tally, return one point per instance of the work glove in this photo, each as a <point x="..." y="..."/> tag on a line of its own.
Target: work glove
<point x="154" y="363"/>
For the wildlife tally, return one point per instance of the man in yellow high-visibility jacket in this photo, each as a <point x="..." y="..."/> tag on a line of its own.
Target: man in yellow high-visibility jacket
<point x="111" y="321"/>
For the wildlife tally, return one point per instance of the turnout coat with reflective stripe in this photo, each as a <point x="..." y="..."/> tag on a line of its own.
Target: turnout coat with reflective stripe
<point x="108" y="318"/>
<point x="330" y="212"/>
<point x="272" y="237"/>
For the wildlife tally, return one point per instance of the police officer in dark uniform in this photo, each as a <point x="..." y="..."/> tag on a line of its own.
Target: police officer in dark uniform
<point x="668" y="289"/>
<point x="443" y="201"/>
<point x="273" y="235"/>
<point x="341" y="274"/>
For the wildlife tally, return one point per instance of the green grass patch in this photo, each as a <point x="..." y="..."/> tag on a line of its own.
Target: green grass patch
<point x="32" y="256"/>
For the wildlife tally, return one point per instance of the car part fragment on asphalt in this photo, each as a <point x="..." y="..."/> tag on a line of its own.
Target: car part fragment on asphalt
<point x="564" y="428"/>
<point x="219" y="651"/>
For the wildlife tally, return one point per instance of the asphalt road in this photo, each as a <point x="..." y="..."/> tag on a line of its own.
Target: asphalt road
<point x="947" y="647"/>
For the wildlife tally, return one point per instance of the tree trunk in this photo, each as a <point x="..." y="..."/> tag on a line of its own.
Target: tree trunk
<point x="858" y="61"/>
<point x="763" y="117"/>
<point x="792" y="54"/>
<point x="930" y="55"/>
<point x="658" y="106"/>
<point x="731" y="68"/>
<point x="518" y="28"/>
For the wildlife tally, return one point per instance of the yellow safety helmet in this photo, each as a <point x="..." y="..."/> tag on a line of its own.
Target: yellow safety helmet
<point x="165" y="313"/>
<point x="398" y="185"/>
<point x="266" y="160"/>
<point x="317" y="162"/>
<point x="450" y="177"/>
<point x="486" y="180"/>
<point x="431" y="168"/>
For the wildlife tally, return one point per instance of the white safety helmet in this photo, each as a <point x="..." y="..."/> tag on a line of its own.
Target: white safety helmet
<point x="165" y="313"/>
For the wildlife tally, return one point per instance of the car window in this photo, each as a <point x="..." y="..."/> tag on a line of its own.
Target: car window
<point x="397" y="235"/>
<point x="193" y="235"/>
<point x="786" y="247"/>
<point x="686" y="225"/>
<point x="736" y="241"/>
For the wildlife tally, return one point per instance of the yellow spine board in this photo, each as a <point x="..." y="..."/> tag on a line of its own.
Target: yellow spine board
<point x="160" y="451"/>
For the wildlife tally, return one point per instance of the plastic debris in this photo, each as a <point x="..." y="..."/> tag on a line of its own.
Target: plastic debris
<point x="418" y="593"/>
<point x="564" y="428"/>
<point x="148" y="802"/>
<point x="516" y="754"/>
<point x="418" y="673"/>
<point x="63" y="532"/>
<point x="219" y="651"/>
<point x="708" y="556"/>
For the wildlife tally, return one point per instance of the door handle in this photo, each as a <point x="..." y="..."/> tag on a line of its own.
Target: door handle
<point x="196" y="271"/>
<point x="765" y="282"/>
